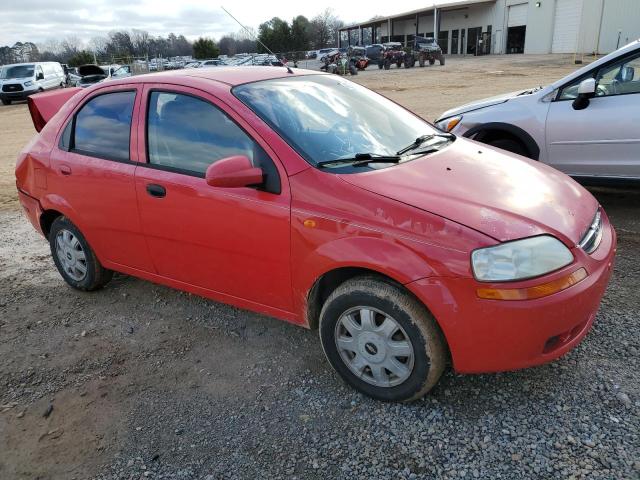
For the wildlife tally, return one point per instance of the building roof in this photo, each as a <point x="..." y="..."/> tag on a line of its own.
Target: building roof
<point x="441" y="6"/>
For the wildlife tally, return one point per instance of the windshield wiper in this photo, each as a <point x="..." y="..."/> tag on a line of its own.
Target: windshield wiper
<point x="362" y="159"/>
<point x="420" y="140"/>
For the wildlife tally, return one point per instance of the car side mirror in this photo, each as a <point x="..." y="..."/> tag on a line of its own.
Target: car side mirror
<point x="40" y="76"/>
<point x="234" y="172"/>
<point x="586" y="90"/>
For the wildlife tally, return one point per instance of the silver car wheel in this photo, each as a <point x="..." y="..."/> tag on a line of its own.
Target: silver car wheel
<point x="71" y="255"/>
<point x="374" y="346"/>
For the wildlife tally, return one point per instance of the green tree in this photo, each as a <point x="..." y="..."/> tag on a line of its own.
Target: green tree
<point x="204" y="48"/>
<point x="276" y="35"/>
<point x="300" y="34"/>
<point x="82" y="57"/>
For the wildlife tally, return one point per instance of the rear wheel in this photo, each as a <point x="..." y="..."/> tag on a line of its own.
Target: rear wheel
<point x="387" y="64"/>
<point x="6" y="102"/>
<point x="509" y="144"/>
<point x="381" y="340"/>
<point x="74" y="258"/>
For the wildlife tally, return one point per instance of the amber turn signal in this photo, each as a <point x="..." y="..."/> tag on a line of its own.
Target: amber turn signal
<point x="531" y="293"/>
<point x="452" y="123"/>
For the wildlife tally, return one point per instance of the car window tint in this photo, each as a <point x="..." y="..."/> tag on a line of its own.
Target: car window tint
<point x="186" y="134"/>
<point x="103" y="126"/>
<point x="190" y="134"/>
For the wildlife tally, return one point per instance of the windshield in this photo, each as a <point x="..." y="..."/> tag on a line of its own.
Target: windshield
<point x="17" y="71"/>
<point x="324" y="117"/>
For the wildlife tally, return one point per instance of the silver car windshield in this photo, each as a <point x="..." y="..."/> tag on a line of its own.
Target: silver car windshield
<point x="325" y="117"/>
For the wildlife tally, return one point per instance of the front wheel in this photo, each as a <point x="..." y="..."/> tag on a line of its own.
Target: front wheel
<point x="6" y="102"/>
<point x="74" y="258"/>
<point x="381" y="340"/>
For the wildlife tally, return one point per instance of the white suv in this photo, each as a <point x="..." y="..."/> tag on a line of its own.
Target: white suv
<point x="586" y="125"/>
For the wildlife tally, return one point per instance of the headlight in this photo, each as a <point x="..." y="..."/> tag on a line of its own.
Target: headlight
<point x="527" y="258"/>
<point x="449" y="124"/>
<point x="28" y="83"/>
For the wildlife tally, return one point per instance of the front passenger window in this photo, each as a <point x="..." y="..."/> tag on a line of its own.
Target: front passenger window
<point x="620" y="78"/>
<point x="186" y="134"/>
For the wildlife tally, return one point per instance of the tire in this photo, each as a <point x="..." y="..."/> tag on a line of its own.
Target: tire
<point x="353" y="70"/>
<point x="66" y="241"/>
<point x="6" y="102"/>
<point x="399" y="64"/>
<point x="410" y="323"/>
<point x="380" y="65"/>
<point x="432" y="61"/>
<point x="387" y="64"/>
<point x="421" y="62"/>
<point x="510" y="145"/>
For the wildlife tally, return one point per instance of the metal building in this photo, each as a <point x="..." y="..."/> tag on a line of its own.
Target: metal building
<point x="477" y="27"/>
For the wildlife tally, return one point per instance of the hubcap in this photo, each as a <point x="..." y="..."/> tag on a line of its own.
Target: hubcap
<point x="71" y="255"/>
<point x="374" y="346"/>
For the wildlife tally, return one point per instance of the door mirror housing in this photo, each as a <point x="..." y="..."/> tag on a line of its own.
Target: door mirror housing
<point x="40" y="76"/>
<point x="586" y="90"/>
<point x="234" y="172"/>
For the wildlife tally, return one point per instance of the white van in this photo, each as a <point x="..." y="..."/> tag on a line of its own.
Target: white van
<point x="20" y="80"/>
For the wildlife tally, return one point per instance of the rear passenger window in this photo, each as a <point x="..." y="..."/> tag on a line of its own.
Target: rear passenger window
<point x="186" y="135"/>
<point x="103" y="126"/>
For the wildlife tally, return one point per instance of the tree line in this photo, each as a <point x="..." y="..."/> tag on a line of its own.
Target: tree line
<point x="278" y="35"/>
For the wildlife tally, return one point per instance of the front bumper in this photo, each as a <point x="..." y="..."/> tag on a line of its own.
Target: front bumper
<point x="17" y="95"/>
<point x="498" y="335"/>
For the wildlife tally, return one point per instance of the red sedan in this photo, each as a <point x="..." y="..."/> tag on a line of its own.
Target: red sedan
<point x="309" y="198"/>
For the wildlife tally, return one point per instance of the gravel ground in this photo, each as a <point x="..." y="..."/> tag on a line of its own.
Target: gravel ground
<point x="141" y="381"/>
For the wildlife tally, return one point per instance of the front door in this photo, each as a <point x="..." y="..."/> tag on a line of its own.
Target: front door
<point x="234" y="241"/>
<point x="604" y="138"/>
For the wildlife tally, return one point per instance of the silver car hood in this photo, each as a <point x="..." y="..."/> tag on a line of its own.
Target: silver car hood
<point x="485" y="102"/>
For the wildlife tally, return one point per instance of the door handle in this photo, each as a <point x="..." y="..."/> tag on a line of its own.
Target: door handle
<point x="65" y="169"/>
<point x="156" y="190"/>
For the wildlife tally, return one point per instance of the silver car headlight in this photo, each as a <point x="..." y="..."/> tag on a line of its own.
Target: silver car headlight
<point x="28" y="83"/>
<point x="520" y="259"/>
<point x="449" y="124"/>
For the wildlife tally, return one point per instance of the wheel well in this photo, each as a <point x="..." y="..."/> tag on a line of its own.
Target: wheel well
<point x="492" y="131"/>
<point x="327" y="283"/>
<point x="46" y="220"/>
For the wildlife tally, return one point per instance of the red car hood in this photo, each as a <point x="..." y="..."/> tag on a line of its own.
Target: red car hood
<point x="494" y="192"/>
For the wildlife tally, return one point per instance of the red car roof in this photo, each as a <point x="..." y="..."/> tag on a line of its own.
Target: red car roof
<point x="229" y="75"/>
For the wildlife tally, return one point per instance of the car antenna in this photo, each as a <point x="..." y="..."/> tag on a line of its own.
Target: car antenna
<point x="253" y="35"/>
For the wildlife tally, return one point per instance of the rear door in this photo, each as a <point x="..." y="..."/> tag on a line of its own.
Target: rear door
<point x="93" y="167"/>
<point x="604" y="138"/>
<point x="235" y="241"/>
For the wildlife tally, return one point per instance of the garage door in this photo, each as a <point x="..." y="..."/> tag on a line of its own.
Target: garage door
<point x="517" y="15"/>
<point x="566" y="25"/>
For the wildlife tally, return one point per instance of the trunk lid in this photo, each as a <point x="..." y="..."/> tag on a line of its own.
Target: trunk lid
<point x="43" y="106"/>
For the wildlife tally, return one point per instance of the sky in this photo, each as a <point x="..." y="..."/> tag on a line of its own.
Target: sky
<point x="42" y="20"/>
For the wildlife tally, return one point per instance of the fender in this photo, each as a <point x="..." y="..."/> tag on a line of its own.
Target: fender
<point x="479" y="130"/>
<point x="391" y="257"/>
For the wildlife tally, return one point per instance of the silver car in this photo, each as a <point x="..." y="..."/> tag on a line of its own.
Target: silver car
<point x="586" y="124"/>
